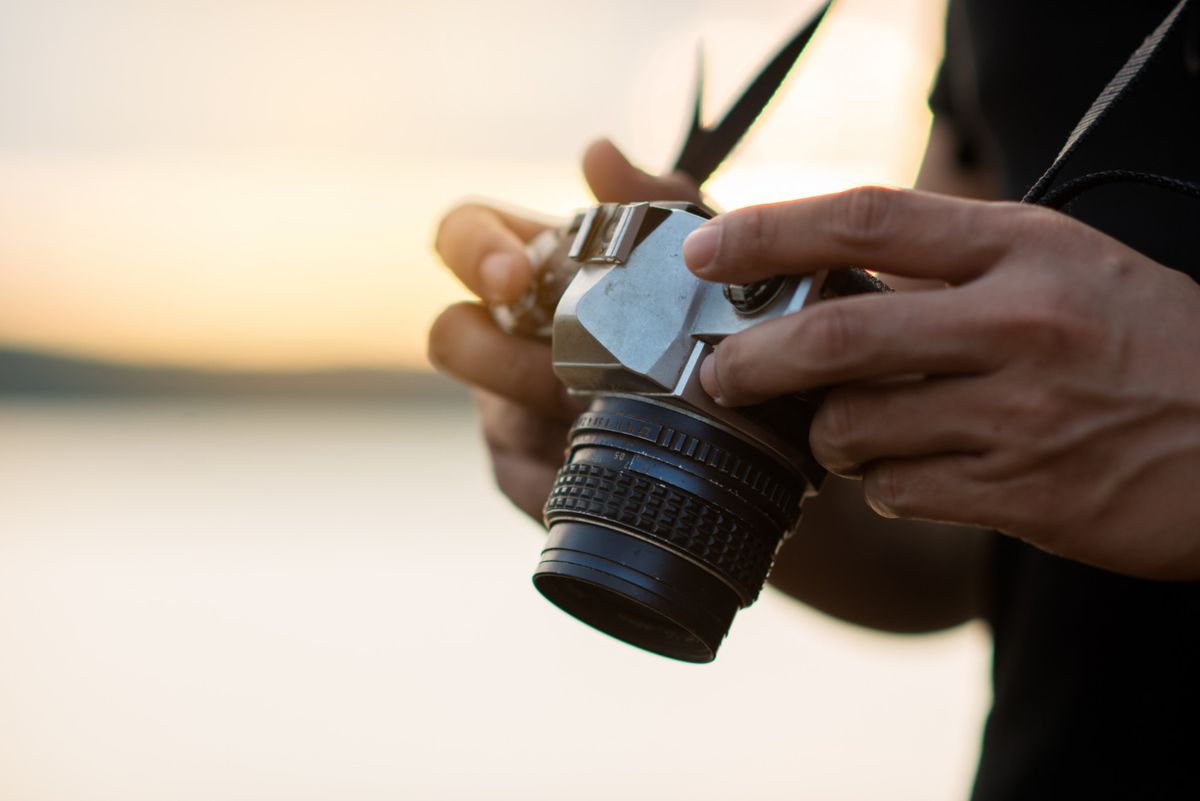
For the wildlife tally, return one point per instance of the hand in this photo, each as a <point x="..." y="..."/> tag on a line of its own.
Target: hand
<point x="525" y="410"/>
<point x="1050" y="390"/>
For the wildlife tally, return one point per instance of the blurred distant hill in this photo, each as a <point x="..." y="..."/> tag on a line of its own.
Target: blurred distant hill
<point x="37" y="374"/>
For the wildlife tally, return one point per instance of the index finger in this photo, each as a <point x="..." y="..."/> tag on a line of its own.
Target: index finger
<point x="914" y="234"/>
<point x="485" y="248"/>
<point x="859" y="338"/>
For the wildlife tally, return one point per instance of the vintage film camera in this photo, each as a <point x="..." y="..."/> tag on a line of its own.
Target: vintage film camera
<point x="668" y="512"/>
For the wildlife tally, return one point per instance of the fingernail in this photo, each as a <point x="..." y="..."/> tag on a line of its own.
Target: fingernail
<point x="708" y="377"/>
<point x="700" y="247"/>
<point x="494" y="274"/>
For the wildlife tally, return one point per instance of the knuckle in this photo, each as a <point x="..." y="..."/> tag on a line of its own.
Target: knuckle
<point x="456" y="228"/>
<point x="827" y="335"/>
<point x="1115" y="269"/>
<point x="1023" y="220"/>
<point x="744" y="371"/>
<point x="1025" y="228"/>
<point x="753" y="231"/>
<point x="863" y="216"/>
<point x="446" y="227"/>
<point x="1024" y="406"/>
<point x="1038" y="224"/>
<point x="1040" y="417"/>
<point x="1032" y="402"/>
<point x="441" y="344"/>
<point x="1035" y="327"/>
<point x="1053" y="322"/>
<point x="731" y="367"/>
<point x="884" y="489"/>
<point x="835" y="428"/>
<point x="1045" y="314"/>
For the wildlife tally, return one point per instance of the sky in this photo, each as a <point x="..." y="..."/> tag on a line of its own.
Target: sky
<point x="256" y="184"/>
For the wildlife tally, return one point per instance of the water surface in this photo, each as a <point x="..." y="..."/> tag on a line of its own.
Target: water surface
<point x="253" y="600"/>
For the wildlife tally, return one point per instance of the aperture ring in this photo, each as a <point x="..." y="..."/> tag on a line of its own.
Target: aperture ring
<point x="764" y="481"/>
<point x="714" y="538"/>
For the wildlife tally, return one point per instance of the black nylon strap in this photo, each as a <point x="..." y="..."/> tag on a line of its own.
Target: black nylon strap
<point x="1113" y="93"/>
<point x="1060" y="196"/>
<point x="705" y="148"/>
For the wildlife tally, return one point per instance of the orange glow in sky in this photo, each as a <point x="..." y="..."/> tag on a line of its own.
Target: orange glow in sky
<point x="259" y="186"/>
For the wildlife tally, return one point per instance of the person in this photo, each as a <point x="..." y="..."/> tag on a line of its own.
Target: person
<point x="1015" y="437"/>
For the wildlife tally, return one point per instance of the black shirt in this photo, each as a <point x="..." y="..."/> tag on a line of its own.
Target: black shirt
<point x="1096" y="675"/>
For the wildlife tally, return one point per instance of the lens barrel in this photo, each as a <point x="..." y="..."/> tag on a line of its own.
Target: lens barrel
<point x="662" y="525"/>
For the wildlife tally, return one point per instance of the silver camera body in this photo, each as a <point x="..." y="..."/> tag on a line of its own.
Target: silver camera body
<point x="667" y="515"/>
<point x="630" y="318"/>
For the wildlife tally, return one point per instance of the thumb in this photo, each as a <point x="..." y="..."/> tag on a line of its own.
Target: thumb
<point x="614" y="180"/>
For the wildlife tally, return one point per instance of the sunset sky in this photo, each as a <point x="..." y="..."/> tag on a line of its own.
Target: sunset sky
<point x="256" y="184"/>
<point x="244" y="597"/>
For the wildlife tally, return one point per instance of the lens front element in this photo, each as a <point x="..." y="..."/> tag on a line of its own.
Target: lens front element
<point x="662" y="526"/>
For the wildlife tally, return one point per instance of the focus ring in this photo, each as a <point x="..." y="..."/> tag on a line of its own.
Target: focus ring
<point x="716" y="539"/>
<point x="770" y="485"/>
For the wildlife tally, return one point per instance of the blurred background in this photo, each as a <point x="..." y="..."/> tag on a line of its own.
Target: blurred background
<point x="249" y="545"/>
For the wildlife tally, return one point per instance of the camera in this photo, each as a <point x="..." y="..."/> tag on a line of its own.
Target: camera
<point x="668" y="512"/>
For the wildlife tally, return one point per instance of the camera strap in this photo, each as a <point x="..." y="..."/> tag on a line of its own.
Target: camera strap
<point x="1118" y="89"/>
<point x="705" y="148"/>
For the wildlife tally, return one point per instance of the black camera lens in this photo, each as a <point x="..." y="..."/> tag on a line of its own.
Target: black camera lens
<point x="662" y="525"/>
